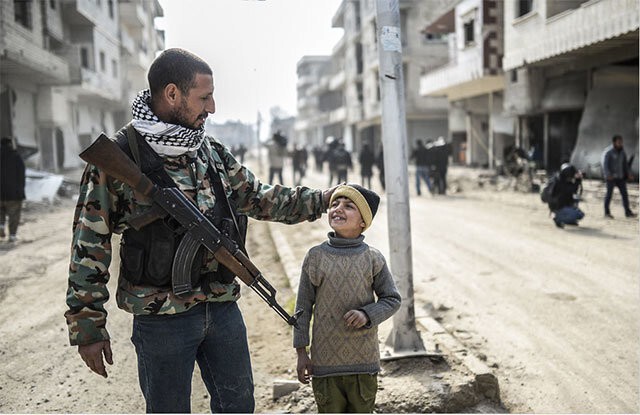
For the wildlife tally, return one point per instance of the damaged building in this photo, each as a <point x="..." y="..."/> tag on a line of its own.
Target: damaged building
<point x="555" y="78"/>
<point x="70" y="69"/>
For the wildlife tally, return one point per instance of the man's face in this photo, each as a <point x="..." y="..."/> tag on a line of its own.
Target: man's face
<point x="618" y="144"/>
<point x="197" y="104"/>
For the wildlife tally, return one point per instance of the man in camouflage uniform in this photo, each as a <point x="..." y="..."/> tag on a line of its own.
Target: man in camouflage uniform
<point x="172" y="332"/>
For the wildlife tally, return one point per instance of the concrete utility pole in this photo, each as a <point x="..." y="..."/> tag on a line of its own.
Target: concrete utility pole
<point x="258" y="143"/>
<point x="404" y="338"/>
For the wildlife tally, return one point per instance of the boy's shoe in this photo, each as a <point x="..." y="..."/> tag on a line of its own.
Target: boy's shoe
<point x="630" y="214"/>
<point x="608" y="216"/>
<point x="572" y="223"/>
<point x="558" y="223"/>
<point x="13" y="238"/>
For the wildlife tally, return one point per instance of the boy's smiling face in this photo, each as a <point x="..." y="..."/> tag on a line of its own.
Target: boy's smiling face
<point x="345" y="218"/>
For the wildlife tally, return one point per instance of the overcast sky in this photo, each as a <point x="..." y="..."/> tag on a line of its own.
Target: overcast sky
<point x="252" y="46"/>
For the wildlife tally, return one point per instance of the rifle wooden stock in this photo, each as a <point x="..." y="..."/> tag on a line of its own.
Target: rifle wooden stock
<point x="109" y="157"/>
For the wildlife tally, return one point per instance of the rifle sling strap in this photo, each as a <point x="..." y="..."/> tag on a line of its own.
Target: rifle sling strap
<point x="153" y="166"/>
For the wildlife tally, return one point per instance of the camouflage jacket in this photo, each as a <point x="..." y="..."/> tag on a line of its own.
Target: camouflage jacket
<point x="105" y="204"/>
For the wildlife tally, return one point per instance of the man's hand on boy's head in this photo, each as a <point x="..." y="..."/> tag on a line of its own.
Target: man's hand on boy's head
<point x="355" y="318"/>
<point x="326" y="195"/>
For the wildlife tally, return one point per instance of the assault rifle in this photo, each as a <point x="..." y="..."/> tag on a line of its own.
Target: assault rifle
<point x="198" y="230"/>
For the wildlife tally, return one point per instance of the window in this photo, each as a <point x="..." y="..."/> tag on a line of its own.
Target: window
<point x="114" y="68"/>
<point x="523" y="7"/>
<point x="22" y="12"/>
<point x="469" y="32"/>
<point x="110" y="5"/>
<point x="84" y="58"/>
<point x="103" y="62"/>
<point x="52" y="4"/>
<point x="514" y="76"/>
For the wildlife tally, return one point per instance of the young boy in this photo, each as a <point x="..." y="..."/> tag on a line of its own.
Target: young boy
<point x="337" y="285"/>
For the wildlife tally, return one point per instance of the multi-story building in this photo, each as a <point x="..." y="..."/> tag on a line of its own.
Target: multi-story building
<point x="63" y="74"/>
<point x="556" y="78"/>
<point x="311" y="126"/>
<point x="472" y="80"/>
<point x="339" y="95"/>
<point x="232" y="133"/>
<point x="572" y="78"/>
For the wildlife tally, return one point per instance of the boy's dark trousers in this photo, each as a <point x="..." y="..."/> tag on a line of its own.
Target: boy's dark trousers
<point x="621" y="184"/>
<point x="345" y="394"/>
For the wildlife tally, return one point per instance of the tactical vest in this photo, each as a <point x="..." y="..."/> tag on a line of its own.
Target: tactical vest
<point x="146" y="255"/>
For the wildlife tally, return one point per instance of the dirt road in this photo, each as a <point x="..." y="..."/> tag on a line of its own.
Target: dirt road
<point x="555" y="312"/>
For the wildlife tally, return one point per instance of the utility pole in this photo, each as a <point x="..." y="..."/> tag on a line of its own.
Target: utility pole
<point x="258" y="143"/>
<point x="404" y="338"/>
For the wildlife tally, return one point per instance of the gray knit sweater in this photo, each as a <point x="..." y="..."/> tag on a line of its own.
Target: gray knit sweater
<point x="337" y="276"/>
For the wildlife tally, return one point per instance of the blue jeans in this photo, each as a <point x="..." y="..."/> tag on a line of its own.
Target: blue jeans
<point x="621" y="184"/>
<point x="568" y="214"/>
<point x="422" y="172"/>
<point x="214" y="335"/>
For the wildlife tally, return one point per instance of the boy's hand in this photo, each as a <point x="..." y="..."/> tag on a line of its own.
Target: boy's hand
<point x="355" y="318"/>
<point x="304" y="368"/>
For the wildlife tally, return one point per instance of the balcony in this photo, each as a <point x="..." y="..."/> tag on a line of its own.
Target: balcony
<point x="338" y="115"/>
<point x="126" y="41"/>
<point x="97" y="86"/>
<point x="21" y="57"/>
<point x="81" y="12"/>
<point x="594" y="22"/>
<point x="305" y="80"/>
<point x="132" y="14"/>
<point x="337" y="81"/>
<point x="160" y="39"/>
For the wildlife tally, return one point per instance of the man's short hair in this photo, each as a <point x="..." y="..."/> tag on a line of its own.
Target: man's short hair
<point x="616" y="137"/>
<point x="176" y="66"/>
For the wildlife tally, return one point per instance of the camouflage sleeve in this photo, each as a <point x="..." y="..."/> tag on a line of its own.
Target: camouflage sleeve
<point x="90" y="258"/>
<point x="274" y="203"/>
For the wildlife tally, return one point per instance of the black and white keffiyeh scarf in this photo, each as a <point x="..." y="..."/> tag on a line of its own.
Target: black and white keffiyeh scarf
<point x="166" y="139"/>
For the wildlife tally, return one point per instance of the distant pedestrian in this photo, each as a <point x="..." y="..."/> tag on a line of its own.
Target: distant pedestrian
<point x="421" y="155"/>
<point x="565" y="196"/>
<point x="366" y="158"/>
<point x="318" y="157"/>
<point x="380" y="165"/>
<point x="329" y="157"/>
<point x="241" y="151"/>
<point x="615" y="169"/>
<point x="442" y="152"/>
<point x="299" y="160"/>
<point x="12" y="181"/>
<point x="277" y="147"/>
<point x="346" y="286"/>
<point x="343" y="163"/>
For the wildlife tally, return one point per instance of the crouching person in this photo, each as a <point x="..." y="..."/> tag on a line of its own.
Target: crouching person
<point x="566" y="196"/>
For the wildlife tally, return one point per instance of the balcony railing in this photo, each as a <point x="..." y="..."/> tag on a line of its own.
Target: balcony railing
<point x="593" y="22"/>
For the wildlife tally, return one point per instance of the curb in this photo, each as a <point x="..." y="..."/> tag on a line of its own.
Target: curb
<point x="484" y="384"/>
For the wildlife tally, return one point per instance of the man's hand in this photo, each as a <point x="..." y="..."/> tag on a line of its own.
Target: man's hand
<point x="92" y="356"/>
<point x="304" y="368"/>
<point x="326" y="195"/>
<point x="355" y="318"/>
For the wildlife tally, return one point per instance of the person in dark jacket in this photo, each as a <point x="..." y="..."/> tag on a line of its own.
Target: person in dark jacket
<point x="615" y="170"/>
<point x="343" y="163"/>
<point x="12" y="180"/>
<point x="421" y="156"/>
<point x="566" y="195"/>
<point x="366" y="158"/>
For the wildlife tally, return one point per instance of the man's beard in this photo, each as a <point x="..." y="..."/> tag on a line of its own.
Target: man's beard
<point x="180" y="116"/>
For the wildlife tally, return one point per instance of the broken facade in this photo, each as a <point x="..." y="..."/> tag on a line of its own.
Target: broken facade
<point x="70" y="69"/>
